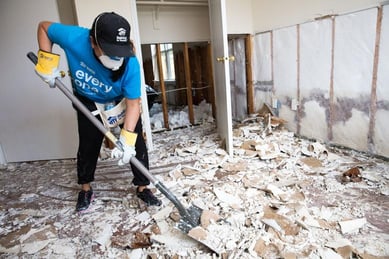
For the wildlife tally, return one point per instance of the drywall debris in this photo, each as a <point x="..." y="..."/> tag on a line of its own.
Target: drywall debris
<point x="278" y="196"/>
<point x="353" y="225"/>
<point x="352" y="175"/>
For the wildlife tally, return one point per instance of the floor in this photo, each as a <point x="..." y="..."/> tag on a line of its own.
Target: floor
<point x="278" y="197"/>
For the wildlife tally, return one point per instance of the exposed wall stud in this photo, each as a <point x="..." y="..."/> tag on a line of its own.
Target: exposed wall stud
<point x="162" y="86"/>
<point x="295" y="102"/>
<point x="249" y="75"/>
<point x="331" y="98"/>
<point x="373" y="95"/>
<point x="188" y="83"/>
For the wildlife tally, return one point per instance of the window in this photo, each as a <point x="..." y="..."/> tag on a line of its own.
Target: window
<point x="167" y="59"/>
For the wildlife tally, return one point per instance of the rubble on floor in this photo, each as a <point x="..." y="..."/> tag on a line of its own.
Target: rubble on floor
<point x="278" y="197"/>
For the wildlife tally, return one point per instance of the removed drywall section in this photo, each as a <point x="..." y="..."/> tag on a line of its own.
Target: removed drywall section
<point x="353" y="64"/>
<point x="381" y="132"/>
<point x="335" y="70"/>
<point x="262" y="69"/>
<point x="315" y="70"/>
<point x="285" y="72"/>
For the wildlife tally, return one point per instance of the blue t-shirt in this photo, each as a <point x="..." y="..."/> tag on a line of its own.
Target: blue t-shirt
<point x="89" y="77"/>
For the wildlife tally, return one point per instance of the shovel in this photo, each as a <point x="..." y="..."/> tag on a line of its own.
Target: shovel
<point x="190" y="218"/>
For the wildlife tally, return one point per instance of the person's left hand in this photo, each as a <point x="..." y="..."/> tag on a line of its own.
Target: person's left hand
<point x="127" y="140"/>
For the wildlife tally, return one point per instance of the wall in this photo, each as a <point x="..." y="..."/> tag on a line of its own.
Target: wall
<point x="170" y="24"/>
<point x="240" y="16"/>
<point x="36" y="122"/>
<point x="327" y="77"/>
<point x="271" y="14"/>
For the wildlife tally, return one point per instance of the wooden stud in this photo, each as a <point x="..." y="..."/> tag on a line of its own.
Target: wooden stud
<point x="373" y="96"/>
<point x="331" y="100"/>
<point x="211" y="90"/>
<point x="249" y="75"/>
<point x="162" y="85"/>
<point x="188" y="83"/>
<point x="298" y="115"/>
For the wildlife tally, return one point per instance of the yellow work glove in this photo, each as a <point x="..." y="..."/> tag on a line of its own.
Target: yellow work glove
<point x="47" y="67"/>
<point x="127" y="140"/>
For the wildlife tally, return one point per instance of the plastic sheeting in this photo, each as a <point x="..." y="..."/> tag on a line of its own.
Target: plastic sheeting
<point x="238" y="78"/>
<point x="262" y="70"/>
<point x="285" y="72"/>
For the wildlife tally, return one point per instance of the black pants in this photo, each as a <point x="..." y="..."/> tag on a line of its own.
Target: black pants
<point x="90" y="141"/>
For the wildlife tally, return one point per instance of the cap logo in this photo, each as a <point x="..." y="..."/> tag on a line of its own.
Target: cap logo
<point x="121" y="36"/>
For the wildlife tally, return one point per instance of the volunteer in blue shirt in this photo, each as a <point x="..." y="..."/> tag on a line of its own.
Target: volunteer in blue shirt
<point x="103" y="68"/>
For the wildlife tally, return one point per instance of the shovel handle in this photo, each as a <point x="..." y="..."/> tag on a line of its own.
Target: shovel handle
<point x="107" y="133"/>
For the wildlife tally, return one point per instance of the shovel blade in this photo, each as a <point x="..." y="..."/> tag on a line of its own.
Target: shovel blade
<point x="191" y="219"/>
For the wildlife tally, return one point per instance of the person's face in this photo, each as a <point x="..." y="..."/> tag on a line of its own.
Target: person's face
<point x="112" y="63"/>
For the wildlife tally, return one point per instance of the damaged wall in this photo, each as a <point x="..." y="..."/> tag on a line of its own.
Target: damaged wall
<point x="322" y="78"/>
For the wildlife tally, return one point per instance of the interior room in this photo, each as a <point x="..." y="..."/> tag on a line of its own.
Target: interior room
<point x="265" y="125"/>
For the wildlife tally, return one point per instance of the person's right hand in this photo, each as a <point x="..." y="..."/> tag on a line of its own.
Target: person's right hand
<point x="127" y="140"/>
<point x="47" y="67"/>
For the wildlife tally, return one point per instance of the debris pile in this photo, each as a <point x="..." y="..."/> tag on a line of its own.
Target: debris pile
<point x="279" y="196"/>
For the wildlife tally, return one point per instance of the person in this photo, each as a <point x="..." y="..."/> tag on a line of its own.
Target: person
<point x="103" y="69"/>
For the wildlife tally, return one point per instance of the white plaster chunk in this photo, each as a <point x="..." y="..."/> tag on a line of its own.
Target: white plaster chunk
<point x="353" y="225"/>
<point x="34" y="247"/>
<point x="144" y="216"/>
<point x="227" y="198"/>
<point x="163" y="213"/>
<point x="272" y="223"/>
<point x="326" y="253"/>
<point x="103" y="237"/>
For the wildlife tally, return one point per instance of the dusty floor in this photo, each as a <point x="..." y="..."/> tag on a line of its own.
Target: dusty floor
<point x="278" y="197"/>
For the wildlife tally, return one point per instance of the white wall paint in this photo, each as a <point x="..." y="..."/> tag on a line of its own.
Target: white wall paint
<point x="271" y="14"/>
<point x="239" y="16"/>
<point x="170" y="24"/>
<point x="36" y="122"/>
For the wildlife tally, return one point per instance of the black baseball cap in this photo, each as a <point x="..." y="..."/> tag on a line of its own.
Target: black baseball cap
<point x="112" y="34"/>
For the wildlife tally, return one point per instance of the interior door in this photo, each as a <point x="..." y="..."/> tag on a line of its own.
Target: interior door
<point x="220" y="63"/>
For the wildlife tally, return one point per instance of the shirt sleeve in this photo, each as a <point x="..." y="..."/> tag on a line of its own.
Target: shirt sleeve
<point x="64" y="35"/>
<point x="132" y="85"/>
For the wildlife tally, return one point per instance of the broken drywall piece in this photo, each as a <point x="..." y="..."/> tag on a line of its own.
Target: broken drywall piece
<point x="143" y="217"/>
<point x="163" y="213"/>
<point x="207" y="239"/>
<point x="208" y="217"/>
<point x="34" y="247"/>
<point x="326" y="253"/>
<point x="227" y="198"/>
<point x="273" y="223"/>
<point x="342" y="246"/>
<point x="268" y="151"/>
<point x="277" y="192"/>
<point x="312" y="162"/>
<point x="103" y="237"/>
<point x="352" y="175"/>
<point x="353" y="225"/>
